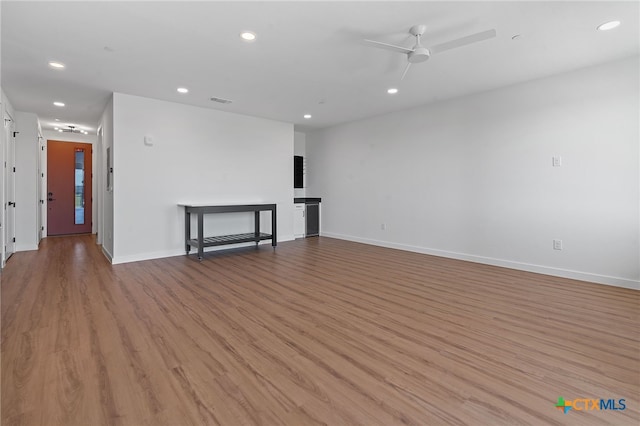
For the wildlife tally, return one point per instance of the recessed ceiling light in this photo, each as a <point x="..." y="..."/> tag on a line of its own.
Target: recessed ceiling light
<point x="183" y="90"/>
<point x="56" y="65"/>
<point x="307" y="116"/>
<point x="60" y="130"/>
<point x="55" y="128"/>
<point x="248" y="36"/>
<point x="608" y="25"/>
<point x="392" y="91"/>
<point x="59" y="104"/>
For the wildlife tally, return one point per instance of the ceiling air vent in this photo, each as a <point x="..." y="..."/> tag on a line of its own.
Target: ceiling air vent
<point x="221" y="100"/>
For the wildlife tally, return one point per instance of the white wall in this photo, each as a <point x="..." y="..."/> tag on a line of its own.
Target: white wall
<point x="69" y="137"/>
<point x="106" y="196"/>
<point x="299" y="144"/>
<point x="27" y="197"/>
<point x="198" y="155"/>
<point x="472" y="178"/>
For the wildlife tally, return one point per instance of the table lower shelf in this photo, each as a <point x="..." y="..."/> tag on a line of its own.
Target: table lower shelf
<point x="221" y="240"/>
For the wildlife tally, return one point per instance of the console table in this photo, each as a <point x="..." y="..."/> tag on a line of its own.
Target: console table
<point x="201" y="241"/>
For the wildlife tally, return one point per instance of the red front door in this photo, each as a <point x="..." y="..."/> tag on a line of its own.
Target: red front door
<point x="68" y="188"/>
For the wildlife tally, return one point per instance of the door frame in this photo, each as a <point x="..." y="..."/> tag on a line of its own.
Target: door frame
<point x="90" y="171"/>
<point x="3" y="136"/>
<point x="8" y="212"/>
<point x="42" y="187"/>
<point x="98" y="182"/>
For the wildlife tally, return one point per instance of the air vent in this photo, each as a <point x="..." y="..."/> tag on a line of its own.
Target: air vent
<point x="221" y="100"/>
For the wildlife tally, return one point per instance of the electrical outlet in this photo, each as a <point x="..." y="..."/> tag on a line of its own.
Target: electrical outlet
<point x="557" y="244"/>
<point x="383" y="226"/>
<point x="556" y="161"/>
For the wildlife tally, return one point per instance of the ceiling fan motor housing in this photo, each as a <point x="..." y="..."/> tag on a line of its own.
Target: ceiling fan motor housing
<point x="419" y="54"/>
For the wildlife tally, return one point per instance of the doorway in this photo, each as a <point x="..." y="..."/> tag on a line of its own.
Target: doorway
<point x="69" y="197"/>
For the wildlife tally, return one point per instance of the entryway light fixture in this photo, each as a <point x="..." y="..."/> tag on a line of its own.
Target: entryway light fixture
<point x="56" y="65"/>
<point x="183" y="90"/>
<point x="307" y="116"/>
<point x="220" y="100"/>
<point x="58" y="104"/>
<point x="392" y="91"/>
<point x="73" y="129"/>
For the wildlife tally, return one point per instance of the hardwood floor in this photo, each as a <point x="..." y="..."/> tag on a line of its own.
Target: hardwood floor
<point x="319" y="331"/>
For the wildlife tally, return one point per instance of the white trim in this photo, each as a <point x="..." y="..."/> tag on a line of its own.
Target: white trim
<point x="546" y="270"/>
<point x="107" y="255"/>
<point x="171" y="253"/>
<point x="147" y="256"/>
<point x="27" y="247"/>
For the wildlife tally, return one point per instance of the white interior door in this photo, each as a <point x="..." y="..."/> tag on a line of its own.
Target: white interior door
<point x="42" y="188"/>
<point x="99" y="167"/>
<point x="3" y="138"/>
<point x="10" y="189"/>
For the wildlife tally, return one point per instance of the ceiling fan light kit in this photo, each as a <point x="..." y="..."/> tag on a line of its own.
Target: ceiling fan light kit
<point x="419" y="53"/>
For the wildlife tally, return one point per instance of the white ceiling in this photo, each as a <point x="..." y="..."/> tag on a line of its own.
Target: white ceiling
<point x="308" y="57"/>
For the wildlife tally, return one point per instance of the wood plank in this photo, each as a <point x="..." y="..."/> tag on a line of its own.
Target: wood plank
<point x="320" y="331"/>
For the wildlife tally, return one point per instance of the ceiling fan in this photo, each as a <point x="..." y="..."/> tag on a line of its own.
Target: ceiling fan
<point x="418" y="53"/>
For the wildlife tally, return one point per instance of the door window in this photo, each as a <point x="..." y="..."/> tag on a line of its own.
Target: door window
<point x="79" y="184"/>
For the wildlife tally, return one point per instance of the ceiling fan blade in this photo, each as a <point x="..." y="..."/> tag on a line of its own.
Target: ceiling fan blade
<point x="473" y="38"/>
<point x="405" y="70"/>
<point x="389" y="46"/>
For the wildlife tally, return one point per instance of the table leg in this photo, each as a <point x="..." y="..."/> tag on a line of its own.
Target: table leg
<point x="256" y="227"/>
<point x="187" y="230"/>
<point x="200" y="235"/>
<point x="274" y="230"/>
